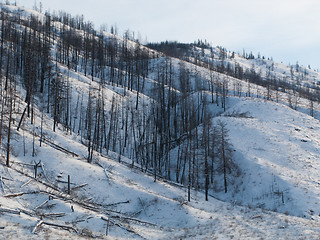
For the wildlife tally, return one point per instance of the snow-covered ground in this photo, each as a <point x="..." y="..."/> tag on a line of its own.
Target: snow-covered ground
<point x="278" y="151"/>
<point x="275" y="197"/>
<point x="276" y="148"/>
<point x="141" y="208"/>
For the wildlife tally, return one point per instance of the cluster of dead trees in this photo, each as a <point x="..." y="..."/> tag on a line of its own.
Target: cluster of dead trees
<point x="163" y="134"/>
<point x="165" y="128"/>
<point x="220" y="60"/>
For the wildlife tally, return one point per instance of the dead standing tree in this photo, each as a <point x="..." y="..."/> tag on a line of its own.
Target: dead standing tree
<point x="224" y="149"/>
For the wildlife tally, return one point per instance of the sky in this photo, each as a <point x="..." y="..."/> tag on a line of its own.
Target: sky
<point x="286" y="30"/>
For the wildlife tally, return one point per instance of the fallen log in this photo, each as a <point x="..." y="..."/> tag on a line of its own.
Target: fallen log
<point x="51" y="205"/>
<point x="61" y="181"/>
<point x="136" y="213"/>
<point x="81" y="220"/>
<point x="14" y="195"/>
<point x="92" y="208"/>
<point x="57" y="193"/>
<point x="114" y="204"/>
<point x="5" y="178"/>
<point x="61" y="149"/>
<point x="36" y="227"/>
<point x="65" y="227"/>
<point x="119" y="225"/>
<point x="66" y="197"/>
<point x="80" y="186"/>
<point x="12" y="211"/>
<point x="105" y="172"/>
<point x="31" y="214"/>
<point x="53" y="214"/>
<point x="44" y="172"/>
<point x="133" y="219"/>
<point x="20" y="194"/>
<point x="142" y="204"/>
<point x="2" y="185"/>
<point x="41" y="205"/>
<point x="88" y="199"/>
<point x="25" y="184"/>
<point x="38" y="180"/>
<point x="26" y="164"/>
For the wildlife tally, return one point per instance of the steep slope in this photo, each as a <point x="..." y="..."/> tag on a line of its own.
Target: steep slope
<point x="136" y="107"/>
<point x="277" y="149"/>
<point x="136" y="206"/>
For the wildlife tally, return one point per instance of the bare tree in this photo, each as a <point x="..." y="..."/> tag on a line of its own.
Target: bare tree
<point x="225" y="153"/>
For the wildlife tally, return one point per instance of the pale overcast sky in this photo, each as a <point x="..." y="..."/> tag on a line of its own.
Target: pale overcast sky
<point x="287" y="30"/>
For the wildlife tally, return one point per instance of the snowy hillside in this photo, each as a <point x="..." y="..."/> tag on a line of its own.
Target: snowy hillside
<point x="278" y="150"/>
<point x="101" y="135"/>
<point x="266" y="67"/>
<point x="135" y="205"/>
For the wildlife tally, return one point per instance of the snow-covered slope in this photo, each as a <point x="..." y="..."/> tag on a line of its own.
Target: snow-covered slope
<point x="278" y="151"/>
<point x="136" y="206"/>
<point x="276" y="196"/>
<point x="266" y="67"/>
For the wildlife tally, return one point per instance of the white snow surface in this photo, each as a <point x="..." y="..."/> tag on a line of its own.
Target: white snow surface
<point x="162" y="205"/>
<point x="276" y="197"/>
<point x="276" y="155"/>
<point x="278" y="151"/>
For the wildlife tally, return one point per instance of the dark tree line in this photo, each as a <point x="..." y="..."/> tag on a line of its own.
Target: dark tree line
<point x="216" y="61"/>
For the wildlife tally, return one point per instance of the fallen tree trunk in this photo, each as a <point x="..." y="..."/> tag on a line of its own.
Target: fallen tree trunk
<point x="66" y="197"/>
<point x="36" y="227"/>
<point x="41" y="205"/>
<point x="59" y="148"/>
<point x="14" y="195"/>
<point x="2" y="185"/>
<point x="108" y="179"/>
<point x="25" y="164"/>
<point x="65" y="227"/>
<point x="31" y="214"/>
<point x="44" y="172"/>
<point x="134" y="219"/>
<point x="105" y="172"/>
<point x="38" y="180"/>
<point x="82" y="220"/>
<point x="12" y="211"/>
<point x="114" y="204"/>
<point x="119" y="225"/>
<point x="25" y="184"/>
<point x="53" y="214"/>
<point x="61" y="181"/>
<point x="19" y="194"/>
<point x="5" y="178"/>
<point x="80" y="186"/>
